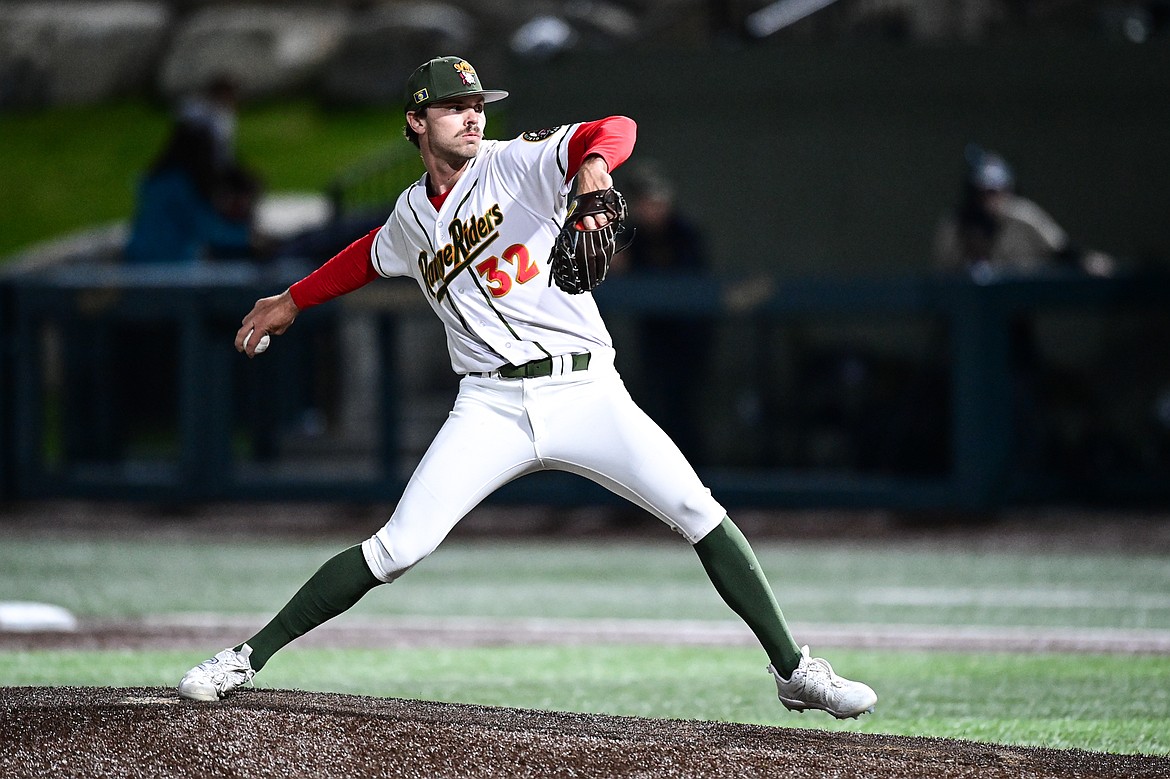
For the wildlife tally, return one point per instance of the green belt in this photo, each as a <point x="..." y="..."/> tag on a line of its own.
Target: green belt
<point x="535" y="368"/>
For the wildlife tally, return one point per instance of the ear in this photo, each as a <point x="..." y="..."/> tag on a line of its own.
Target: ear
<point x="415" y="121"/>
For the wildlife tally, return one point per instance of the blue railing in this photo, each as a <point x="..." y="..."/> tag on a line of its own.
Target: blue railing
<point x="122" y="384"/>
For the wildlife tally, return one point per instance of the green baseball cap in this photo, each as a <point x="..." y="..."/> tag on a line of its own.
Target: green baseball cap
<point x="444" y="78"/>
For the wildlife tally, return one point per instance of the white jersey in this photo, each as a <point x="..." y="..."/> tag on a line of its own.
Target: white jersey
<point x="482" y="259"/>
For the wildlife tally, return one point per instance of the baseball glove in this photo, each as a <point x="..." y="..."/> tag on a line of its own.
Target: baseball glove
<point x="580" y="257"/>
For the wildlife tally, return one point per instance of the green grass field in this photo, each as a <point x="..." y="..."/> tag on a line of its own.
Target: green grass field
<point x="1117" y="703"/>
<point x="74" y="168"/>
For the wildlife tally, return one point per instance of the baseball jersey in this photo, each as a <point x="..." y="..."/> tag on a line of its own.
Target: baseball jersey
<point x="481" y="257"/>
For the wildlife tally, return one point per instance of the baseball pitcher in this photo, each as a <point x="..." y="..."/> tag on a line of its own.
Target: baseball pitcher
<point x="505" y="240"/>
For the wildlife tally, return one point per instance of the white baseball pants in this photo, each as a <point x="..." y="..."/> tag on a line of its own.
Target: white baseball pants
<point x="583" y="422"/>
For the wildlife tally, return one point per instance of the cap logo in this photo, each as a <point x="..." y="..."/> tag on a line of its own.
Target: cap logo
<point x="466" y="73"/>
<point x="420" y="95"/>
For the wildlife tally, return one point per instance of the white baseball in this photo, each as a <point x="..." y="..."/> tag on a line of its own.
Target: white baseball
<point x="261" y="345"/>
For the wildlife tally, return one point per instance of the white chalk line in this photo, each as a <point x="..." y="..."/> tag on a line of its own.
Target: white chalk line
<point x="1037" y="598"/>
<point x="488" y="631"/>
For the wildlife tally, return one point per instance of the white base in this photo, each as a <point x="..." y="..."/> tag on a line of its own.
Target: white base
<point x="16" y="616"/>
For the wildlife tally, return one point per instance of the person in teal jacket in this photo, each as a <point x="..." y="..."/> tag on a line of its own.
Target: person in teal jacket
<point x="176" y="217"/>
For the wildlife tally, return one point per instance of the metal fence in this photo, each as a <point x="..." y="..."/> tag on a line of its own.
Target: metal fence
<point x="910" y="393"/>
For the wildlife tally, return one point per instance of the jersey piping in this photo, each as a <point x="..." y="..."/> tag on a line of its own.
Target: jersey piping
<point x="418" y="220"/>
<point x="560" y="147"/>
<point x="472" y="257"/>
<point x="500" y="315"/>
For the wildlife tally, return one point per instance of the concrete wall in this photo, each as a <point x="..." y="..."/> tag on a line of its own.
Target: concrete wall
<point x="810" y="161"/>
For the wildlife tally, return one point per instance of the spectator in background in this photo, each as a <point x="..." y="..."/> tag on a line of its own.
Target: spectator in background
<point x="177" y="216"/>
<point x="673" y="349"/>
<point x="215" y="108"/>
<point x="995" y="230"/>
<point x="191" y="206"/>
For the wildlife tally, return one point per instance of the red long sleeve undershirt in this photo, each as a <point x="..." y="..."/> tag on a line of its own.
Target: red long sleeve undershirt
<point x="349" y="269"/>
<point x="611" y="138"/>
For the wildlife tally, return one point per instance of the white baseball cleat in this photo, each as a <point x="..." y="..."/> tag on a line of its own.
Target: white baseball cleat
<point x="214" y="678"/>
<point x="814" y="686"/>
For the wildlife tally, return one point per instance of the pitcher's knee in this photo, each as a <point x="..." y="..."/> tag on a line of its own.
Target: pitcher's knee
<point x="389" y="561"/>
<point x="698" y="515"/>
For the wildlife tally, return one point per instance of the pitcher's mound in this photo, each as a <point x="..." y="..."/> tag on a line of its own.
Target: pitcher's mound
<point x="88" y="733"/>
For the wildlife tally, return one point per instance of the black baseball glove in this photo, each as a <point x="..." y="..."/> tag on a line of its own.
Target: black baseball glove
<point x="580" y="257"/>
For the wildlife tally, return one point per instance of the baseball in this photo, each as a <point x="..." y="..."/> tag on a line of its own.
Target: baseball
<point x="263" y="343"/>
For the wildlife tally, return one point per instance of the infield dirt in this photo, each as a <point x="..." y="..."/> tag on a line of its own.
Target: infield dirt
<point x="89" y="733"/>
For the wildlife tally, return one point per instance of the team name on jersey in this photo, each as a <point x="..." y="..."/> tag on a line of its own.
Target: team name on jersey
<point x="469" y="237"/>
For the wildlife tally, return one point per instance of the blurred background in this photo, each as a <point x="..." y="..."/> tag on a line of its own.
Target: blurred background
<point x="905" y="254"/>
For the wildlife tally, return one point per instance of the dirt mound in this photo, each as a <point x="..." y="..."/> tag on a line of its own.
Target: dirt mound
<point x="149" y="732"/>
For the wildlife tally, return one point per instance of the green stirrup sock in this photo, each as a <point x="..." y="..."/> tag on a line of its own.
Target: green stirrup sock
<point x="336" y="586"/>
<point x="739" y="580"/>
